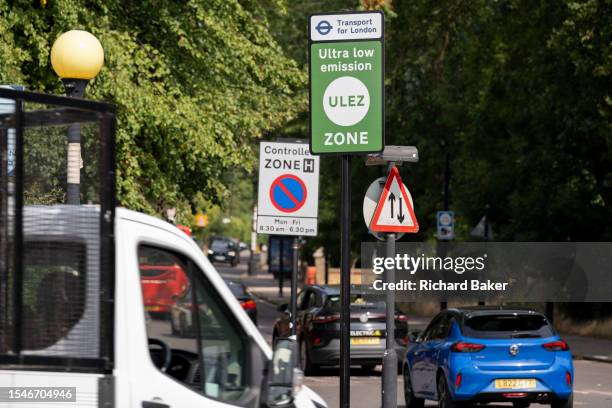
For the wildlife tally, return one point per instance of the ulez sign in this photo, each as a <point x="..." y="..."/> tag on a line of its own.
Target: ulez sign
<point x="346" y="83"/>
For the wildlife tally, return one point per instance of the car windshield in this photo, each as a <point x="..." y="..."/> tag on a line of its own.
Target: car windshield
<point x="507" y="326"/>
<point x="236" y="288"/>
<point x="219" y="245"/>
<point x="358" y="301"/>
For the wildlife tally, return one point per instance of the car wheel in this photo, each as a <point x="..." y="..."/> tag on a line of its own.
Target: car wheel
<point x="445" y="399"/>
<point x="568" y="403"/>
<point x="520" y="404"/>
<point x="307" y="367"/>
<point x="411" y="400"/>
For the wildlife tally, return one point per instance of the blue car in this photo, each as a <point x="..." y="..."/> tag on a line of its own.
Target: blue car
<point x="485" y="355"/>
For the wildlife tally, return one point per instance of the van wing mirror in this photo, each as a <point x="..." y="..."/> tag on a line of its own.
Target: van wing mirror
<point x="284" y="378"/>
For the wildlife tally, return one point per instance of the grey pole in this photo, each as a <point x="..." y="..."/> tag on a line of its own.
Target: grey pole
<point x="294" y="277"/>
<point x="444" y="305"/>
<point x="75" y="88"/>
<point x="389" y="374"/>
<point x="281" y="267"/>
<point x="345" y="283"/>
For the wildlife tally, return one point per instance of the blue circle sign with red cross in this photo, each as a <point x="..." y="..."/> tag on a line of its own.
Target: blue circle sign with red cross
<point x="288" y="193"/>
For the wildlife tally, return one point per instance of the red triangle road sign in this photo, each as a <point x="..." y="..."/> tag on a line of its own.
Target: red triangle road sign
<point x="394" y="212"/>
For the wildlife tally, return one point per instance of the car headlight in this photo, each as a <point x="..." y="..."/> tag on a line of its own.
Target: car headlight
<point x="210" y="252"/>
<point x="231" y="253"/>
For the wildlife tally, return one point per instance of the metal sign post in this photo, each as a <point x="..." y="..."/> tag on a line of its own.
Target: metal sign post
<point x="294" y="277"/>
<point x="345" y="284"/>
<point x="346" y="73"/>
<point x="389" y="374"/>
<point x="393" y="215"/>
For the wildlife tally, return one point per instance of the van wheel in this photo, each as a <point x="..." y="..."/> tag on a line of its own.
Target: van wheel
<point x="305" y="364"/>
<point x="411" y="400"/>
<point x="568" y="403"/>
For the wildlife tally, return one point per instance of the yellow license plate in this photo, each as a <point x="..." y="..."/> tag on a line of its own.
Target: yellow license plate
<point x="515" y="384"/>
<point x="361" y="341"/>
<point x="152" y="308"/>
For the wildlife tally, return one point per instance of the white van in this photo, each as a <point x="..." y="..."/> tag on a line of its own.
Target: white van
<point x="72" y="297"/>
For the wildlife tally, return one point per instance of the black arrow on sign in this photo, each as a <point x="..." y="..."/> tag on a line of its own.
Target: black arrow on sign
<point x="392" y="199"/>
<point x="400" y="217"/>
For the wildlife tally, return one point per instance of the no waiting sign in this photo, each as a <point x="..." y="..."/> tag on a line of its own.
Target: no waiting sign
<point x="288" y="190"/>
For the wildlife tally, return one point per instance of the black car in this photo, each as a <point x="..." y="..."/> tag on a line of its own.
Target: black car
<point x="247" y="301"/>
<point x="318" y="328"/>
<point x="223" y="250"/>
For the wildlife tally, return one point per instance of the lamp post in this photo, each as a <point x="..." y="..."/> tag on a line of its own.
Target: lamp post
<point x="77" y="57"/>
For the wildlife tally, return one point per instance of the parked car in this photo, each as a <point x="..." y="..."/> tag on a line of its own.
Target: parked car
<point x="161" y="285"/>
<point x="223" y="250"/>
<point x="483" y="355"/>
<point x="246" y="299"/>
<point x="318" y="328"/>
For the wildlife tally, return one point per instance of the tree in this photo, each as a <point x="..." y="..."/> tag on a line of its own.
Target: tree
<point x="195" y="84"/>
<point x="517" y="93"/>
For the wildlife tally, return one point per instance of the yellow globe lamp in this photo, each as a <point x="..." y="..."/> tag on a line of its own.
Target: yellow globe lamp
<point x="76" y="56"/>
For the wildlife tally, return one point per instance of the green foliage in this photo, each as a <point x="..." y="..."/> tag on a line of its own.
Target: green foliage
<point x="517" y="94"/>
<point x="195" y="84"/>
<point x="234" y="218"/>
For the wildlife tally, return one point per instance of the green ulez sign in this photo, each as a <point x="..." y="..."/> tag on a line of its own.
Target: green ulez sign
<point x="346" y="97"/>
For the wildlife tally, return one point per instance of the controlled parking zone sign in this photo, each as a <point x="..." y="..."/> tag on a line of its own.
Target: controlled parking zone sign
<point x="288" y="190"/>
<point x="346" y="82"/>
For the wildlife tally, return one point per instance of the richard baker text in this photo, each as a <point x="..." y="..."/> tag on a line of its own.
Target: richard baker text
<point x="428" y="285"/>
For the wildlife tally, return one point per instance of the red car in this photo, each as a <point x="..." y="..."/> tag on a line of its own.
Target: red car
<point x="161" y="286"/>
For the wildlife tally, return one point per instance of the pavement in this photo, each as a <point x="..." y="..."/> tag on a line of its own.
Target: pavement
<point x="593" y="377"/>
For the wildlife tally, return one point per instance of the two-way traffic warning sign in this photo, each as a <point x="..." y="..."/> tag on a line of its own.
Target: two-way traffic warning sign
<point x="395" y="211"/>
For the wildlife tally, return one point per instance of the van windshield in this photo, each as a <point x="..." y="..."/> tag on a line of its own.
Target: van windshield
<point x="507" y="326"/>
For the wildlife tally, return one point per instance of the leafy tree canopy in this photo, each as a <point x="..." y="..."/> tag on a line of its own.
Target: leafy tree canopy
<point x="195" y="83"/>
<point x="516" y="93"/>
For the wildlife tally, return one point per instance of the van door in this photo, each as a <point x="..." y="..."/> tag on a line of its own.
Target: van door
<point x="185" y="345"/>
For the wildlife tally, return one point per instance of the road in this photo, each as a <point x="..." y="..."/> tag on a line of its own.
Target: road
<point x="593" y="380"/>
